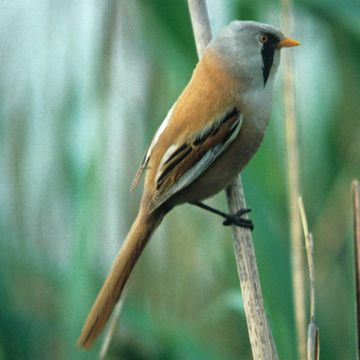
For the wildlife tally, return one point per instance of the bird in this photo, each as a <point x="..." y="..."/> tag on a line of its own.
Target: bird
<point x="208" y="136"/>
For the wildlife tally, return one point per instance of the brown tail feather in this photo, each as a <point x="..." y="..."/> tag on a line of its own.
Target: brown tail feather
<point x="139" y="234"/>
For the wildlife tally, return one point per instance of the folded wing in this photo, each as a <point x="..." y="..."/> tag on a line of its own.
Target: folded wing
<point x="183" y="163"/>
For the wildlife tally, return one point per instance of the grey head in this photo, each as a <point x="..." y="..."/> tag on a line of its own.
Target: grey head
<point x="251" y="50"/>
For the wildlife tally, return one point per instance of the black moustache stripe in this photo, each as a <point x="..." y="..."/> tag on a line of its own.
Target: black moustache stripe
<point x="267" y="53"/>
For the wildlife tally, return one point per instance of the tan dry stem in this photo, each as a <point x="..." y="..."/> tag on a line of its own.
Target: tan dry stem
<point x="297" y="261"/>
<point x="261" y="340"/>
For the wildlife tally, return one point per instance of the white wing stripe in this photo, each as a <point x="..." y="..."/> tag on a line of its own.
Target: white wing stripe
<point x="146" y="158"/>
<point x="159" y="131"/>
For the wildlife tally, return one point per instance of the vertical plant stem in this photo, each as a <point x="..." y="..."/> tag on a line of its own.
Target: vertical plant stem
<point x="111" y="330"/>
<point x="297" y="261"/>
<point x="261" y="340"/>
<point x="313" y="342"/>
<point x="309" y="242"/>
<point x="356" y="210"/>
<point x="201" y="24"/>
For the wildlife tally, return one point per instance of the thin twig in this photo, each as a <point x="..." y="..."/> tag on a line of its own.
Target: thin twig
<point x="261" y="340"/>
<point x="356" y="207"/>
<point x="313" y="345"/>
<point x="112" y="329"/>
<point x="293" y="186"/>
<point x="309" y="242"/>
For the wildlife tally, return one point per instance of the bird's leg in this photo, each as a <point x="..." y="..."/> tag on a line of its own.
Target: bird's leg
<point x="230" y="219"/>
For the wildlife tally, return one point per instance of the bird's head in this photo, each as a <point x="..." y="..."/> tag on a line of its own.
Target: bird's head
<point x="251" y="49"/>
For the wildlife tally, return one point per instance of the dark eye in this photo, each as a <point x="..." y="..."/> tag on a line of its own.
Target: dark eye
<point x="263" y="38"/>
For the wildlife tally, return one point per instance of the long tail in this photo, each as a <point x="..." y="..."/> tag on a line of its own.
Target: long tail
<point x="139" y="234"/>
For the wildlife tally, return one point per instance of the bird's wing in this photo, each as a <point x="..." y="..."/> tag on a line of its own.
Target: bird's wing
<point x="183" y="163"/>
<point x="148" y="152"/>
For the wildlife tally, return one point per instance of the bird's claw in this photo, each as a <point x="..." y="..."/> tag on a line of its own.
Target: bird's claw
<point x="238" y="220"/>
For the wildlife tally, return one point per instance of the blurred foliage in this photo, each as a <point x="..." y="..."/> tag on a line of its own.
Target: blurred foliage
<point x="84" y="85"/>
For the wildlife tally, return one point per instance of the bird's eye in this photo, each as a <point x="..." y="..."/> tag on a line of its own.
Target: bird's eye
<point x="263" y="38"/>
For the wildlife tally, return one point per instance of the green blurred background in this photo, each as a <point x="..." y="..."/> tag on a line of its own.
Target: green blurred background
<point x="83" y="86"/>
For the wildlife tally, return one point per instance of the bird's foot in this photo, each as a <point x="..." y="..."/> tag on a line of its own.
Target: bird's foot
<point x="230" y="219"/>
<point x="238" y="220"/>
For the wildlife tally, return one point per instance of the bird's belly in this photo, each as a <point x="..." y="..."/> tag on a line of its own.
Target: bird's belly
<point x="225" y="168"/>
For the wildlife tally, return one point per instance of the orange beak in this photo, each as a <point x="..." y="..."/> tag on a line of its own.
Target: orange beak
<point x="288" y="42"/>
